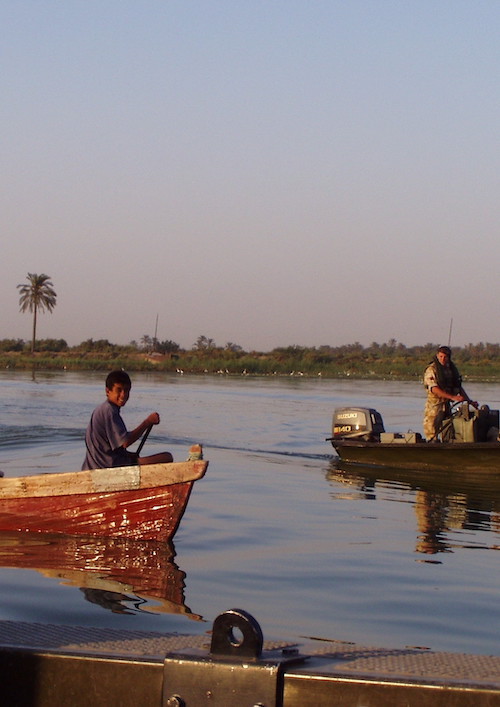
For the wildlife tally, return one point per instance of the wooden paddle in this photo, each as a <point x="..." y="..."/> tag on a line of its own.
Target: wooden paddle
<point x="143" y="440"/>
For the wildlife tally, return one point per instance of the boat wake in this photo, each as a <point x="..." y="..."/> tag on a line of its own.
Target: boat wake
<point x="18" y="437"/>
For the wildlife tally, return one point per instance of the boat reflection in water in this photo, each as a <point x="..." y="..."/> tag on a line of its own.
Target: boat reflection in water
<point x="443" y="503"/>
<point x="119" y="574"/>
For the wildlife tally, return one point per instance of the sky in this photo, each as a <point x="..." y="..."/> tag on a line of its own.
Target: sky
<point x="267" y="173"/>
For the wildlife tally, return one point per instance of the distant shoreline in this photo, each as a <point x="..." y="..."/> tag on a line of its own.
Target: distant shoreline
<point x="189" y="363"/>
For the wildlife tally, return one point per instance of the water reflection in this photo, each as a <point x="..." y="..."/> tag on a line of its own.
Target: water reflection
<point x="444" y="503"/>
<point x="434" y="514"/>
<point x="118" y="574"/>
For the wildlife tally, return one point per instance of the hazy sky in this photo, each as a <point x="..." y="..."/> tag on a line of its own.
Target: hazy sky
<point x="265" y="172"/>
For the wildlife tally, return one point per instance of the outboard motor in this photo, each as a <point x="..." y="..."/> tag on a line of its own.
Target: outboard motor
<point x="363" y="424"/>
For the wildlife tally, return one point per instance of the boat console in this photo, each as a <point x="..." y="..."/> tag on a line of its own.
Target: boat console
<point x="471" y="425"/>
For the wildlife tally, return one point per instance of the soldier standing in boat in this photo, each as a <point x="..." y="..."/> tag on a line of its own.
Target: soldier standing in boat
<point x="444" y="386"/>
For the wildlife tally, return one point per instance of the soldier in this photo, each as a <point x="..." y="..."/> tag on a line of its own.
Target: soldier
<point x="444" y="385"/>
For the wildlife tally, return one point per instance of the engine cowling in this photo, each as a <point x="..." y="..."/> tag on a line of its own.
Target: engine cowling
<point x="364" y="424"/>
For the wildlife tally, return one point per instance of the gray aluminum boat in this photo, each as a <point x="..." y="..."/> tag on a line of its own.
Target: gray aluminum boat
<point x="468" y="441"/>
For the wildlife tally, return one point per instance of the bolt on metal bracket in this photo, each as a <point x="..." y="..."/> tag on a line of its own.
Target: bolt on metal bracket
<point x="236" y="671"/>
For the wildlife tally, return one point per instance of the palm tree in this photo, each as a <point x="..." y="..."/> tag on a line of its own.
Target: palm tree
<point x="38" y="295"/>
<point x="146" y="342"/>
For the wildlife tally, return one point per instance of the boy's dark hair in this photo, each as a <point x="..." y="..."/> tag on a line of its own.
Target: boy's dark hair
<point x="117" y="377"/>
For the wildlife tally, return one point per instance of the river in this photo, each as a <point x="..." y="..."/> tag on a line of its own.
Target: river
<point x="275" y="527"/>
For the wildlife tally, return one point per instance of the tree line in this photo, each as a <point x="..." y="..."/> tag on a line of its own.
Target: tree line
<point x="486" y="352"/>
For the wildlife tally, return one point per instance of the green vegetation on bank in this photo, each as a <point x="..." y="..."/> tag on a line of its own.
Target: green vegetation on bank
<point x="379" y="361"/>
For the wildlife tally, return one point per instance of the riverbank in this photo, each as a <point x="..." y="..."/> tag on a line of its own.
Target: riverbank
<point x="197" y="363"/>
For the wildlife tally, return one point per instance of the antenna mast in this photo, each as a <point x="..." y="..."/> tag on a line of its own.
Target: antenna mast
<point x="155" y="340"/>
<point x="449" y="333"/>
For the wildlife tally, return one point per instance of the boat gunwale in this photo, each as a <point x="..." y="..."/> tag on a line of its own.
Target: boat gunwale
<point x="101" y="481"/>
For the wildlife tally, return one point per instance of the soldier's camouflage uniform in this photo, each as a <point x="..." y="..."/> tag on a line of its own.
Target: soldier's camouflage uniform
<point x="436" y="408"/>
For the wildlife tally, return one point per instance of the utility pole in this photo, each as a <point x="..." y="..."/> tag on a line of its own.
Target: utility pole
<point x="155" y="339"/>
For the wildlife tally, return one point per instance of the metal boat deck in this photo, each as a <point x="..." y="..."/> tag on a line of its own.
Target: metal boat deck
<point x="46" y="665"/>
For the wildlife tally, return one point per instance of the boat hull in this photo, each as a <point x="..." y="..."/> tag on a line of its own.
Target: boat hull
<point x="480" y="457"/>
<point x="135" y="502"/>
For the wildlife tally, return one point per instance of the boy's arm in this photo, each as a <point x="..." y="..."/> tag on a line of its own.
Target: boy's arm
<point x="134" y="435"/>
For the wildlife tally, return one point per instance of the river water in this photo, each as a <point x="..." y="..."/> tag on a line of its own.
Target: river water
<point x="275" y="527"/>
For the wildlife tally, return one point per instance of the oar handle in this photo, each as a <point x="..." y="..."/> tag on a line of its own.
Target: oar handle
<point x="143" y="440"/>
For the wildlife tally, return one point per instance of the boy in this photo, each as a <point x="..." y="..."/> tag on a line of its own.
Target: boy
<point x="107" y="437"/>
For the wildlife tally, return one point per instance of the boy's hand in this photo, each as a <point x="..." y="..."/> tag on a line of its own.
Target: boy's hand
<point x="153" y="419"/>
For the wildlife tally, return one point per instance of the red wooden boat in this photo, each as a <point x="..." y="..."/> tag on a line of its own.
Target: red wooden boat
<point x="142" y="502"/>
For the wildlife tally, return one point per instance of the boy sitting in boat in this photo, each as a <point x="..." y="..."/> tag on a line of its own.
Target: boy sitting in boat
<point x="107" y="437"/>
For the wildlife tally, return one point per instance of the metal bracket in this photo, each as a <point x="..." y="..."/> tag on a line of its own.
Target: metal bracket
<point x="236" y="671"/>
<point x="236" y="632"/>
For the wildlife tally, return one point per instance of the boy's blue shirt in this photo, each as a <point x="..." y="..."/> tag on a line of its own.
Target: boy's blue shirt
<point x="104" y="438"/>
